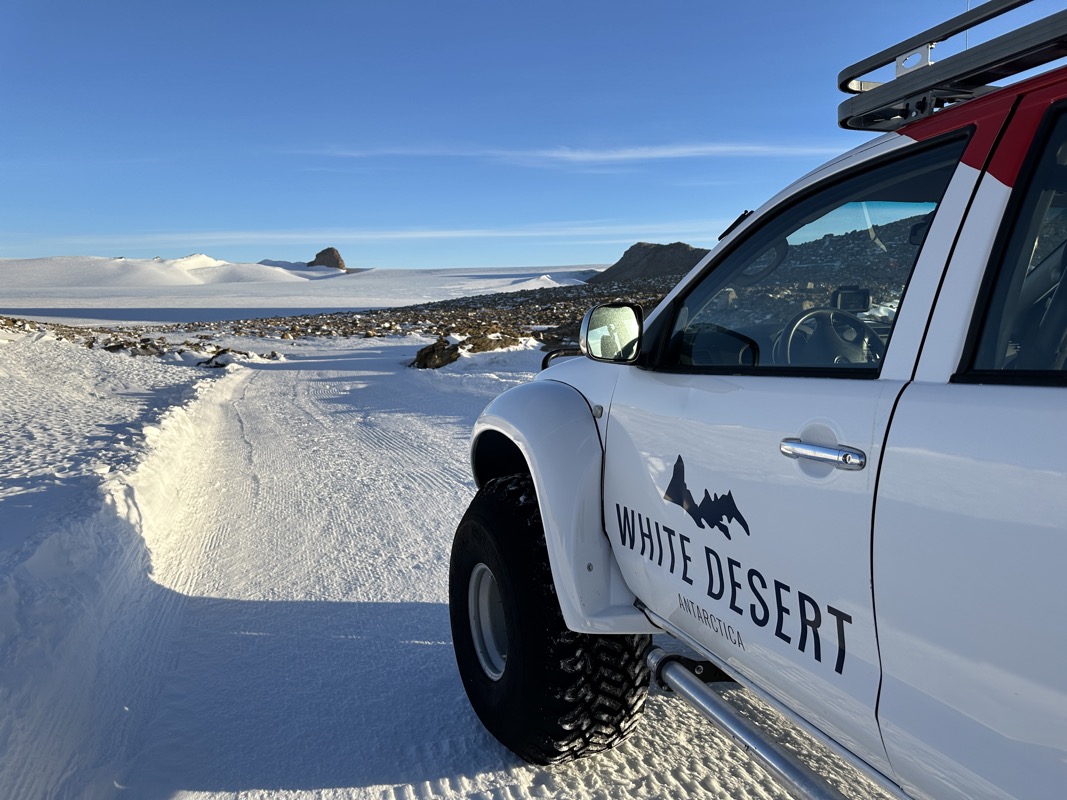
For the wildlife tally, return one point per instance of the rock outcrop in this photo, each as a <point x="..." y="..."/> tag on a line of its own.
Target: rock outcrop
<point x="329" y="257"/>
<point x="645" y="260"/>
<point x="436" y="355"/>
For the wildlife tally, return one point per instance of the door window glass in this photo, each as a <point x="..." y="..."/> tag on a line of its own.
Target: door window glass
<point x="1024" y="331"/>
<point x="819" y="285"/>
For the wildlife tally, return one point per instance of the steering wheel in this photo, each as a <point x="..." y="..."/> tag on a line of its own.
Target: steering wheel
<point x="828" y="337"/>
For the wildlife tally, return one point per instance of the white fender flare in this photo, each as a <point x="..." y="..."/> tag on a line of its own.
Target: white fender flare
<point x="553" y="429"/>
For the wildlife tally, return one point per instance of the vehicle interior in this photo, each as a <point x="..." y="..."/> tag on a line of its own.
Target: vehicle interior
<point x="819" y="285"/>
<point x="1026" y="325"/>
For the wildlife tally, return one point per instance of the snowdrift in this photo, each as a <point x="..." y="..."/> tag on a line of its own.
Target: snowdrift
<point x="77" y="608"/>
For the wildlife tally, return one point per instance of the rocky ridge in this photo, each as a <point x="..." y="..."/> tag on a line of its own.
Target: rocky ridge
<point x="330" y="257"/>
<point x="643" y="259"/>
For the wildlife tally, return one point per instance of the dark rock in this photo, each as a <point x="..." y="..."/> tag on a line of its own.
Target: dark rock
<point x="221" y="358"/>
<point x="644" y="260"/>
<point x="436" y="355"/>
<point x="484" y="344"/>
<point x="328" y="258"/>
<point x="148" y="348"/>
<point x="565" y="335"/>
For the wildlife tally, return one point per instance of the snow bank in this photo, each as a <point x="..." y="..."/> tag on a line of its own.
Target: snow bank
<point x="74" y="586"/>
<point x="546" y="282"/>
<point x="132" y="274"/>
<point x="196" y="261"/>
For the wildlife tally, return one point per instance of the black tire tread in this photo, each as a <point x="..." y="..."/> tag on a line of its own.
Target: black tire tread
<point x="586" y="692"/>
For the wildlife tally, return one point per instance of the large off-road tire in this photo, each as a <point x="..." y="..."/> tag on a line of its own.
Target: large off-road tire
<point x="545" y="692"/>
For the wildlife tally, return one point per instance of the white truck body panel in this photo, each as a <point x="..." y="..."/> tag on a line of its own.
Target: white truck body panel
<point x="560" y="442"/>
<point x="788" y="604"/>
<point x="968" y="575"/>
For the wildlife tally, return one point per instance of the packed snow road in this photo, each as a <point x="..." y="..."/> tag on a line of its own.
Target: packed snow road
<point x="308" y="540"/>
<point x="288" y="636"/>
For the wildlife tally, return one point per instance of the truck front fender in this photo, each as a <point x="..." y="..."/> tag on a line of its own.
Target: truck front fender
<point x="548" y="429"/>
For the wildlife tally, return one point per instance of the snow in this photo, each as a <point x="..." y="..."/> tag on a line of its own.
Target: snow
<point x="200" y="288"/>
<point x="232" y="583"/>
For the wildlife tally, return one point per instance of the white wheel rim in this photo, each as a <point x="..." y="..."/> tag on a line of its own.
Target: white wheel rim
<point x="488" y="627"/>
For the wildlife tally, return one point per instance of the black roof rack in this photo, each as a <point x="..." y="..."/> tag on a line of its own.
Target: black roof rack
<point x="921" y="86"/>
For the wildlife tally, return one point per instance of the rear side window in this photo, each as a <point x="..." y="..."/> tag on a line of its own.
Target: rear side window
<point x="816" y="289"/>
<point x="1022" y="334"/>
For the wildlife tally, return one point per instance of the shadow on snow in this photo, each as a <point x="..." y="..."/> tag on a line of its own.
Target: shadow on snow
<point x="309" y="695"/>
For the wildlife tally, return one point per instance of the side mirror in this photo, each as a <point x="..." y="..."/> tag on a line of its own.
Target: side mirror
<point x="612" y="333"/>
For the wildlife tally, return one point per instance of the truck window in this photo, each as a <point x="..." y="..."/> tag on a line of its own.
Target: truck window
<point x="818" y="285"/>
<point x="1023" y="330"/>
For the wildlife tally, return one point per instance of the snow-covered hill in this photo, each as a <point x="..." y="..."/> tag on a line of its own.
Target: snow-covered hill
<point x="198" y="287"/>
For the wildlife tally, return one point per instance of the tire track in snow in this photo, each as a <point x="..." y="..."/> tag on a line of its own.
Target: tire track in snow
<point x="288" y="515"/>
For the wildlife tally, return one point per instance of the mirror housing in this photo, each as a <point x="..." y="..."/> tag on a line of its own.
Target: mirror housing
<point x="612" y="333"/>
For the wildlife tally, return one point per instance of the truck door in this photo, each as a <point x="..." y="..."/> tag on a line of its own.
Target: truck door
<point x="970" y="534"/>
<point x="740" y="467"/>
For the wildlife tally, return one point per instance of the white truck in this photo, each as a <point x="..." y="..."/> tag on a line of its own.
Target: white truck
<point x="833" y="462"/>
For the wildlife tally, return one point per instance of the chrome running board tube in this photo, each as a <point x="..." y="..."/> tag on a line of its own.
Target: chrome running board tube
<point x="801" y="782"/>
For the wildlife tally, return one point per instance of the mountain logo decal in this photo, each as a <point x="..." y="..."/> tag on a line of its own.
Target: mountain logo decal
<point x="715" y="510"/>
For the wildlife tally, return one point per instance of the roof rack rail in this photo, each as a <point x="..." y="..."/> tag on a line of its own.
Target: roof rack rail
<point x="921" y="86"/>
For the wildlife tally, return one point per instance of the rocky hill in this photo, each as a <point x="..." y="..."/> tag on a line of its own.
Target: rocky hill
<point x="644" y="260"/>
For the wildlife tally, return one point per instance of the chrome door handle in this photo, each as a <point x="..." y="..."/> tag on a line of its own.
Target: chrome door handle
<point x="840" y="457"/>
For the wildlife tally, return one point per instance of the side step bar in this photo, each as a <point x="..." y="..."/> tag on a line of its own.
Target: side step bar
<point x="801" y="782"/>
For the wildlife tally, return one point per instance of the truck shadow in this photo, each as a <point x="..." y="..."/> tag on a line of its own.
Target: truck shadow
<point x="308" y="695"/>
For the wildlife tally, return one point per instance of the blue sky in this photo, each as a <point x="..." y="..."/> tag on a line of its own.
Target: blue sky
<point x="411" y="133"/>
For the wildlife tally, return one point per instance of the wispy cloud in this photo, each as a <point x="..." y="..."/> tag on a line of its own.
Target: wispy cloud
<point x="574" y="156"/>
<point x="673" y="151"/>
<point x="600" y="231"/>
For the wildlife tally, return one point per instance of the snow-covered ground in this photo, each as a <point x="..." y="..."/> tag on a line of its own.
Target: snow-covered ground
<point x="201" y="288"/>
<point x="232" y="583"/>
